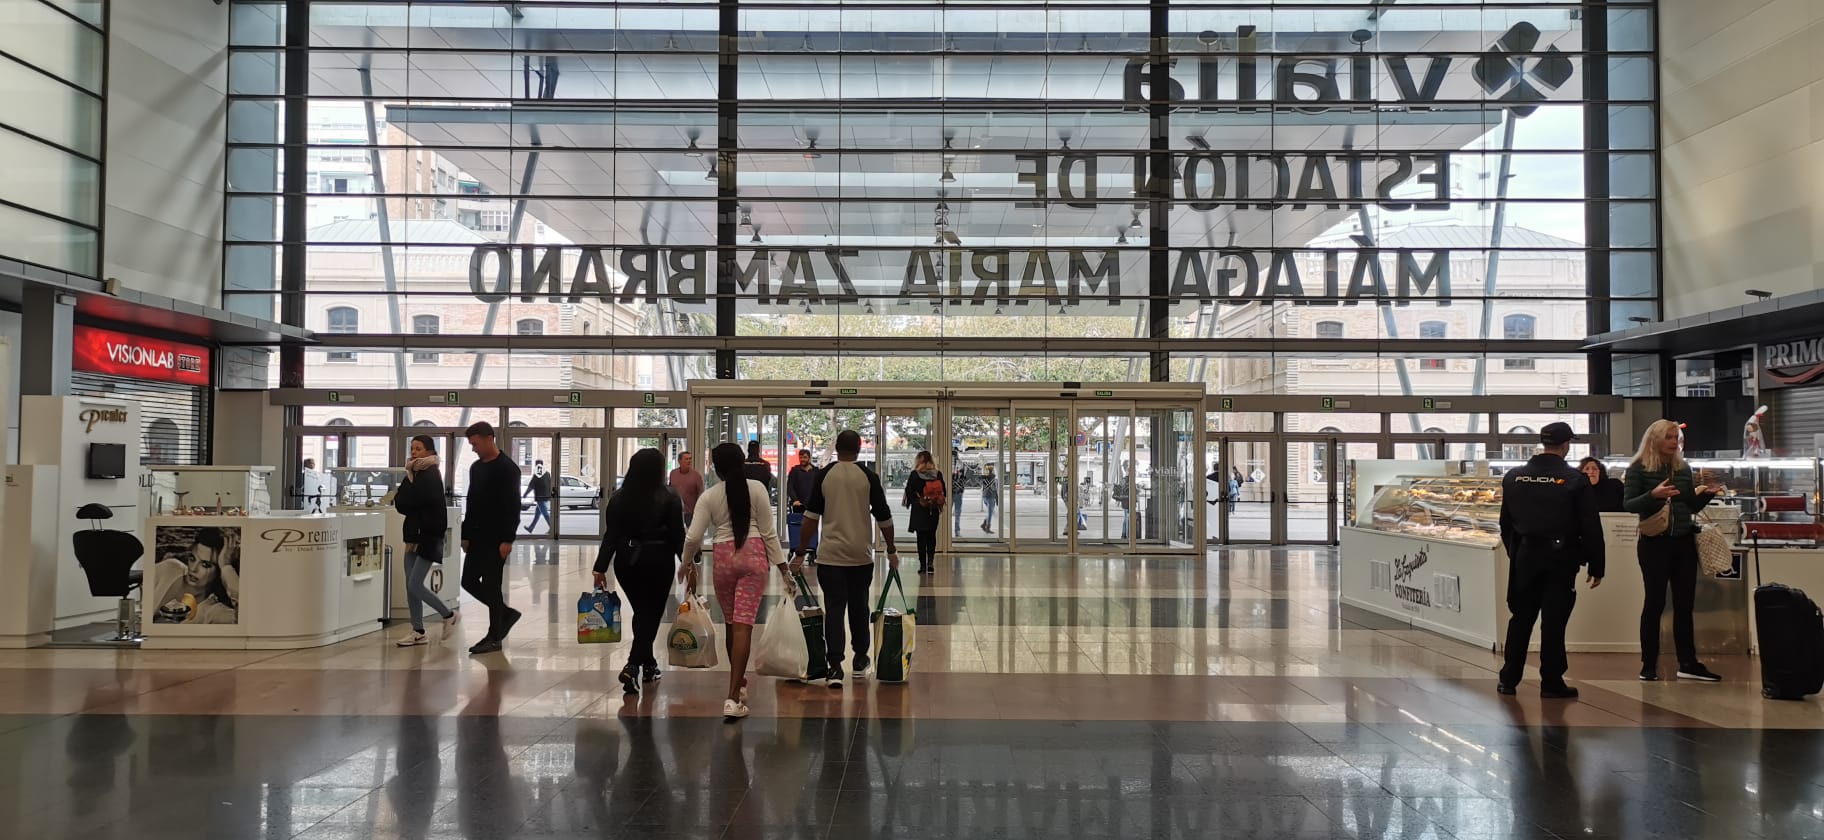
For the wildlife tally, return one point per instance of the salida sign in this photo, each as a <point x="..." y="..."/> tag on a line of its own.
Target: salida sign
<point x="118" y="354"/>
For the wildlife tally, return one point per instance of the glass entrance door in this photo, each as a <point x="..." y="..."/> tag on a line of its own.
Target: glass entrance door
<point x="1250" y="511"/>
<point x="905" y="431"/>
<point x="980" y="459"/>
<point x="1105" y="488"/>
<point x="1038" y="491"/>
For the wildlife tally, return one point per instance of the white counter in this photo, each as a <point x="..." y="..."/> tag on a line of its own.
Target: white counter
<point x="275" y="582"/>
<point x="445" y="579"/>
<point x="1460" y="590"/>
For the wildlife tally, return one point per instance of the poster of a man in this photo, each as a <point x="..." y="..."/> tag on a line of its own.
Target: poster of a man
<point x="197" y="578"/>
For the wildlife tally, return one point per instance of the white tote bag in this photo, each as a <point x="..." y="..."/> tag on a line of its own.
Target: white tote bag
<point x="779" y="649"/>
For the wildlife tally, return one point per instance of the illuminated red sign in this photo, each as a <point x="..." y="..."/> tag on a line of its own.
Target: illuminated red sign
<point x="119" y="354"/>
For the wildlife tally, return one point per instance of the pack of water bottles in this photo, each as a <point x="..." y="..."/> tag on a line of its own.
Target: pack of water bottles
<point x="598" y="618"/>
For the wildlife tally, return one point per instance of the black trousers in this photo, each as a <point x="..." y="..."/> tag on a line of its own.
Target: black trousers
<point x="845" y="596"/>
<point x="484" y="577"/>
<point x="1668" y="561"/>
<point x="927" y="547"/>
<point x="1545" y="591"/>
<point x="645" y="577"/>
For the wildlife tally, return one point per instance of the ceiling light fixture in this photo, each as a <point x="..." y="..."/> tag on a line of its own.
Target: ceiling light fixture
<point x="693" y="150"/>
<point x="711" y="174"/>
<point x="810" y="150"/>
<point x="1135" y="224"/>
<point x="948" y="177"/>
<point x="1120" y="236"/>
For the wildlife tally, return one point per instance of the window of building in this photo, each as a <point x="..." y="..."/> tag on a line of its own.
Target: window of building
<point x="426" y="325"/>
<point x="343" y="320"/>
<point x="522" y="445"/>
<point x="423" y="423"/>
<point x="1329" y="329"/>
<point x="338" y="185"/>
<point x="1433" y="331"/>
<point x="1320" y="456"/>
<point x="1518" y="328"/>
<point x="1517" y="451"/>
<point x="530" y="326"/>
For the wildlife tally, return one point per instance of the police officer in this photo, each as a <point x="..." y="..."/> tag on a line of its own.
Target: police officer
<point x="1550" y="526"/>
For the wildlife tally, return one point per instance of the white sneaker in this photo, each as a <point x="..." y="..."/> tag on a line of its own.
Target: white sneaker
<point x="733" y="711"/>
<point x="449" y="624"/>
<point x="414" y="640"/>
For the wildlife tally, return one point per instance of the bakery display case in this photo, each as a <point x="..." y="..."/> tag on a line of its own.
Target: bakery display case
<point x="1462" y="509"/>
<point x="1776" y="500"/>
<point x="370" y="487"/>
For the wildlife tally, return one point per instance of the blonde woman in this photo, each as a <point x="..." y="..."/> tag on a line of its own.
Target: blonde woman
<point x="1660" y="477"/>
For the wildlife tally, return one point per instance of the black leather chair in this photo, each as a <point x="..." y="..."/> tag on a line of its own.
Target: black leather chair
<point x="107" y="557"/>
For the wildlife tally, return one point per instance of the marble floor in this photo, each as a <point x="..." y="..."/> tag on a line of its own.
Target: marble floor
<point x="1053" y="697"/>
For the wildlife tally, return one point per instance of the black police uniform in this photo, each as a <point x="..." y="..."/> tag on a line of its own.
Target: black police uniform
<point x="1550" y="526"/>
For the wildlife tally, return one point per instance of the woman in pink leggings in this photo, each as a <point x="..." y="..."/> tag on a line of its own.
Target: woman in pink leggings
<point x="746" y="544"/>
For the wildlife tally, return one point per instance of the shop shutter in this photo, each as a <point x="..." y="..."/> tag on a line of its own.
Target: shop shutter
<point x="174" y="419"/>
<point x="1797" y="415"/>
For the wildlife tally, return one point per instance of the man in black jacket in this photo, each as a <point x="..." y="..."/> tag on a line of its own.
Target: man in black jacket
<point x="489" y="525"/>
<point x="1550" y="526"/>
<point x="757" y="469"/>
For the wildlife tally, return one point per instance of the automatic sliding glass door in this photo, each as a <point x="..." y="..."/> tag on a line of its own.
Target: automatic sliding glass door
<point x="980" y="461"/>
<point x="1038" y="491"/>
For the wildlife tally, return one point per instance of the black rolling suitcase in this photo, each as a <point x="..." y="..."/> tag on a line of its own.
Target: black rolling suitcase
<point x="1789" y="630"/>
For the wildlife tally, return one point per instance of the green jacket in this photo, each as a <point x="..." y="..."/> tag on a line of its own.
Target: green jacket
<point x="1637" y="498"/>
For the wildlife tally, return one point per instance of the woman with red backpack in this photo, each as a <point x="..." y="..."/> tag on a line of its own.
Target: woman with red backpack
<point x="926" y="495"/>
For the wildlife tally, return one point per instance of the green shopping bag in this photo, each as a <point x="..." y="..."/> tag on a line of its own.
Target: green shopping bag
<point x="895" y="634"/>
<point x="810" y="615"/>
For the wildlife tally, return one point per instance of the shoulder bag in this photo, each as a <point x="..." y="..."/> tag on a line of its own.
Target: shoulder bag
<point x="1714" y="554"/>
<point x="1659" y="523"/>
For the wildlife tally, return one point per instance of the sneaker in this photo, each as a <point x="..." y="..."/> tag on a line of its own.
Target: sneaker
<point x="630" y="679"/>
<point x="449" y="624"/>
<point x="1558" y="692"/>
<point x="733" y="711"/>
<point x="862" y="664"/>
<point x="1504" y="689"/>
<point x="485" y="646"/>
<point x="414" y="640"/>
<point x="834" y="680"/>
<point x="1649" y="674"/>
<point x="1697" y="672"/>
<point x="512" y="619"/>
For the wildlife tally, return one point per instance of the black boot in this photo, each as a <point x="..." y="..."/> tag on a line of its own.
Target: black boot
<point x="630" y="679"/>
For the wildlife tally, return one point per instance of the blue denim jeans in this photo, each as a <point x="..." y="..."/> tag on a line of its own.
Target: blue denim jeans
<point x="418" y="590"/>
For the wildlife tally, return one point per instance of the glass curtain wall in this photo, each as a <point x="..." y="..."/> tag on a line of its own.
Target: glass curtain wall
<point x="1432" y="197"/>
<point x="53" y="68"/>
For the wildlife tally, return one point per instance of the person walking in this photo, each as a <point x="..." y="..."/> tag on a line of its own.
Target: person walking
<point x="687" y="483"/>
<point x="642" y="537"/>
<point x="798" y="491"/>
<point x="1608" y="490"/>
<point x="991" y="497"/>
<point x="1550" y="526"/>
<point x="539" y="488"/>
<point x="490" y="523"/>
<point x="848" y="506"/>
<point x="757" y="469"/>
<point x="1235" y="482"/>
<point x="958" y="484"/>
<point x="737" y="516"/>
<point x="420" y="500"/>
<point x="927" y="505"/>
<point x="1659" y="477"/>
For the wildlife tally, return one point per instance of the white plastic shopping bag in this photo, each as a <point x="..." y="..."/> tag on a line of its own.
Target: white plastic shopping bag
<point x="779" y="650"/>
<point x="693" y="637"/>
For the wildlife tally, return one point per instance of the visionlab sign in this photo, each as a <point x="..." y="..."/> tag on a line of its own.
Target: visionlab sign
<point x="135" y="357"/>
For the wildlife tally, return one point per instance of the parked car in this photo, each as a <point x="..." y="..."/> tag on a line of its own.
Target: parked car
<point x="570" y="493"/>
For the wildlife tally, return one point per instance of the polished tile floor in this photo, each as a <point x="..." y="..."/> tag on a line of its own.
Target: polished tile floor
<point x="1052" y="698"/>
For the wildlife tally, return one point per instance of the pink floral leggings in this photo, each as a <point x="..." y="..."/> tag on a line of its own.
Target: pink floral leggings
<point x="741" y="579"/>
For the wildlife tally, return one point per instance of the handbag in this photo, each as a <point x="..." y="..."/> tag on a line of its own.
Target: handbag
<point x="1714" y="554"/>
<point x="895" y="634"/>
<point x="1659" y="523"/>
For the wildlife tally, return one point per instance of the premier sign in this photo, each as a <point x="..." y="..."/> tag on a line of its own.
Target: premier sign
<point x="136" y="357"/>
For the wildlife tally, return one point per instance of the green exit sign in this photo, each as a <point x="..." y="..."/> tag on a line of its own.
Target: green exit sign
<point x="1228" y="403"/>
<point x="1105" y="393"/>
<point x="335" y="396"/>
<point x="576" y="398"/>
<point x="649" y="398"/>
<point x="1329" y="403"/>
<point x="1563" y="404"/>
<point x="847" y="392"/>
<point x="452" y="397"/>
<point x="1430" y="404"/>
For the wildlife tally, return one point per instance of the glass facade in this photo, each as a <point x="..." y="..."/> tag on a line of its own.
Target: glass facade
<point x="53" y="67"/>
<point x="1336" y="197"/>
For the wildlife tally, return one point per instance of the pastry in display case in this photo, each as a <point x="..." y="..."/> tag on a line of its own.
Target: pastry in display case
<point x="1774" y="500"/>
<point x="1465" y="509"/>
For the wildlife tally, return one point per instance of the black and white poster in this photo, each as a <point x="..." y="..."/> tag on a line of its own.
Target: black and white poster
<point x="196" y="579"/>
